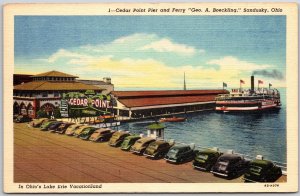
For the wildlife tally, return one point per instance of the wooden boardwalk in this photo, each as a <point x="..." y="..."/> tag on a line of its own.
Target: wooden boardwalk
<point x="53" y="158"/>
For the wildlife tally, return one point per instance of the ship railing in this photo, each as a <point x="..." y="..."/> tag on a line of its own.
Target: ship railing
<point x="282" y="165"/>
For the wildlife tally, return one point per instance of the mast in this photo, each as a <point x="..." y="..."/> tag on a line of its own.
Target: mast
<point x="184" y="84"/>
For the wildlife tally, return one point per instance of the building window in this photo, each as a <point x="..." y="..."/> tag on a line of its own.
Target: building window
<point x="44" y="94"/>
<point x="56" y="94"/>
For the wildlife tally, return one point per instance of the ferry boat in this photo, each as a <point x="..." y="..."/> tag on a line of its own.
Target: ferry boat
<point x="252" y="100"/>
<point x="172" y="119"/>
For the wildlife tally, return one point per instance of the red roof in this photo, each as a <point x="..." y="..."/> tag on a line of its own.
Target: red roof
<point x="153" y="98"/>
<point x="123" y="94"/>
<point x="54" y="85"/>
<point x="54" y="74"/>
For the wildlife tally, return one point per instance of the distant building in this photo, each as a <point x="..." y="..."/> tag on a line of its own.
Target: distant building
<point x="103" y="84"/>
<point x="44" y="92"/>
<point x="141" y="104"/>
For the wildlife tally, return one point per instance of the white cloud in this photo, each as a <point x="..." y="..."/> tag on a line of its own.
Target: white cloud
<point x="135" y="37"/>
<point x="130" y="64"/>
<point x="65" y="54"/>
<point x="232" y="63"/>
<point x="165" y="45"/>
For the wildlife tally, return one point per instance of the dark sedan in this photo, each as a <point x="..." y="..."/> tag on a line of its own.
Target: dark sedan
<point x="52" y="128"/>
<point x="230" y="166"/>
<point x="205" y="159"/>
<point x="180" y="154"/>
<point x="22" y="118"/>
<point x="262" y="171"/>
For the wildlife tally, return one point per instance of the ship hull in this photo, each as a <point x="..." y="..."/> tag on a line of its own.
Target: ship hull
<point x="250" y="107"/>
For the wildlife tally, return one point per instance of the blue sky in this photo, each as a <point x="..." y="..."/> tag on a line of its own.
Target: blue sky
<point x="152" y="52"/>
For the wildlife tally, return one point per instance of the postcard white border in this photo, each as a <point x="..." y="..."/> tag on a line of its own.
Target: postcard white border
<point x="289" y="9"/>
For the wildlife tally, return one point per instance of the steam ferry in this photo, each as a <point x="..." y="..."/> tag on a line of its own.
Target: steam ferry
<point x="252" y="100"/>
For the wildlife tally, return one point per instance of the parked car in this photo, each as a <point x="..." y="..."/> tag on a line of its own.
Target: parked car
<point x="140" y="145"/>
<point x="38" y="122"/>
<point x="117" y="138"/>
<point x="46" y="125"/>
<point x="262" y="171"/>
<point x="230" y="166"/>
<point x="129" y="141"/>
<point x="101" y="135"/>
<point x="71" y="129"/>
<point x="78" y="131"/>
<point x="205" y="159"/>
<point x="52" y="128"/>
<point x="22" y="118"/>
<point x="63" y="127"/>
<point x="158" y="149"/>
<point x="180" y="154"/>
<point x="15" y="116"/>
<point x="87" y="132"/>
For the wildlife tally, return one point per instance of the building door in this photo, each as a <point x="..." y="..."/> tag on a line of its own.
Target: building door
<point x="16" y="108"/>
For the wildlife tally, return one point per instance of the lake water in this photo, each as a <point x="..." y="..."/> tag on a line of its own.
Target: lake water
<point x="249" y="134"/>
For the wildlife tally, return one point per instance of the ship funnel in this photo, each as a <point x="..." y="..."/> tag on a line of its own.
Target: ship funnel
<point x="252" y="84"/>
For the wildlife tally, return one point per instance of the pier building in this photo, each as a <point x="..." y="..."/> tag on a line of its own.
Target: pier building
<point x="144" y="104"/>
<point x="44" y="91"/>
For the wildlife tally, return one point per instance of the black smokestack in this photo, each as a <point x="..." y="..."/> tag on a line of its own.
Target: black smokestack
<point x="269" y="73"/>
<point x="252" y="83"/>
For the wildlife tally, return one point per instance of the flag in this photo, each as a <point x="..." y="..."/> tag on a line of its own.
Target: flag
<point x="270" y="85"/>
<point x="242" y="81"/>
<point x="260" y="82"/>
<point x="224" y="85"/>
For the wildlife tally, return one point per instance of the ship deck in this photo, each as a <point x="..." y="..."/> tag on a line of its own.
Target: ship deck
<point x="43" y="157"/>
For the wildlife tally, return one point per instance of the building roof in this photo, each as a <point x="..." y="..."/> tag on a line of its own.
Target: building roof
<point x="94" y="82"/>
<point x="123" y="94"/>
<point x="156" y="126"/>
<point x="21" y="78"/>
<point x="54" y="74"/>
<point x="54" y="85"/>
<point x="140" y="102"/>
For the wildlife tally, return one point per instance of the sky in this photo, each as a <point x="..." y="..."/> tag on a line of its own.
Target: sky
<point x="154" y="52"/>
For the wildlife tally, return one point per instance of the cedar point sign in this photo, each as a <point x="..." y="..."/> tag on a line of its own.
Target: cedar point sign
<point x="75" y="104"/>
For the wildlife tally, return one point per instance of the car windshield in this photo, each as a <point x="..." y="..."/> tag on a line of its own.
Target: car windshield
<point x="202" y="156"/>
<point x="255" y="169"/>
<point x="153" y="145"/>
<point x="116" y="136"/>
<point x="225" y="163"/>
<point x="173" y="150"/>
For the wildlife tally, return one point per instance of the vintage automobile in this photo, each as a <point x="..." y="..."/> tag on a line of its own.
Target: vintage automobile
<point x="180" y="154"/>
<point x="262" y="171"/>
<point x="71" y="129"/>
<point x="140" y="145"/>
<point x="87" y="132"/>
<point x="101" y="135"/>
<point x="52" y="128"/>
<point x="158" y="149"/>
<point x="129" y="141"/>
<point x="117" y="138"/>
<point x="230" y="166"/>
<point x="205" y="159"/>
<point x="38" y="122"/>
<point x="46" y="125"/>
<point x="22" y="118"/>
<point x="63" y="127"/>
<point x="78" y="131"/>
